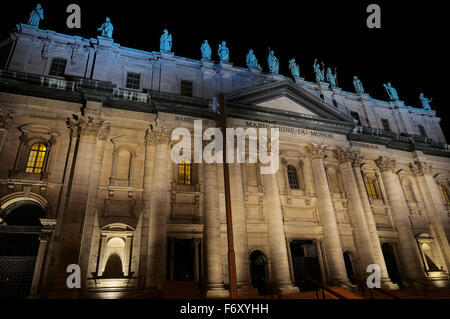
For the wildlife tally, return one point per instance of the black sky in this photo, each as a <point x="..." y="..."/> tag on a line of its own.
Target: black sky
<point x="410" y="50"/>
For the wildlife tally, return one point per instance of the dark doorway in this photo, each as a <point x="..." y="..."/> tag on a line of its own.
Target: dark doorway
<point x="184" y="260"/>
<point x="305" y="262"/>
<point x="391" y="263"/>
<point x="348" y="260"/>
<point x="258" y="272"/>
<point x="19" y="244"/>
<point x="113" y="268"/>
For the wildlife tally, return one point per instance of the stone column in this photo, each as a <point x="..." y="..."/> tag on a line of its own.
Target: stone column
<point x="159" y="211"/>
<point x="214" y="275"/>
<point x="372" y="226"/>
<point x="92" y="204"/>
<point x="44" y="237"/>
<point x="332" y="240"/>
<point x="280" y="273"/>
<point x="400" y="215"/>
<point x="366" y="239"/>
<point x="430" y="189"/>
<point x="240" y="232"/>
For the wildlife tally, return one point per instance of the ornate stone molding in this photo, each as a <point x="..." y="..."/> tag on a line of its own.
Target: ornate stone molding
<point x="158" y="135"/>
<point x="88" y="126"/>
<point x="6" y="117"/>
<point x="419" y="168"/>
<point x="316" y="151"/>
<point x="104" y="131"/>
<point x="345" y="154"/>
<point x="385" y="163"/>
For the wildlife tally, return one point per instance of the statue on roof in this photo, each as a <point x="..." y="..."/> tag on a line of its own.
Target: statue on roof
<point x="358" y="85"/>
<point x="425" y="102"/>
<point x="206" y="51"/>
<point x="295" y="70"/>
<point x="320" y="77"/>
<point x="391" y="92"/>
<point x="36" y="16"/>
<point x="273" y="63"/>
<point x="251" y="60"/>
<point x="107" y="28"/>
<point x="165" y="41"/>
<point x="224" y="53"/>
<point x="332" y="78"/>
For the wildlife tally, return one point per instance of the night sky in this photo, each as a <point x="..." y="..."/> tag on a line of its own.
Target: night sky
<point x="409" y="50"/>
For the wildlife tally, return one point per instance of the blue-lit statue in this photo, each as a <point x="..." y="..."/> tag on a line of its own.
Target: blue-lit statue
<point x="36" y="15"/>
<point x="273" y="63"/>
<point x="425" y="102"/>
<point x="165" y="41"/>
<point x="391" y="92"/>
<point x="358" y="85"/>
<point x="332" y="78"/>
<point x="295" y="70"/>
<point x="224" y="53"/>
<point x="107" y="29"/>
<point x="206" y="51"/>
<point x="251" y="60"/>
<point x="320" y="77"/>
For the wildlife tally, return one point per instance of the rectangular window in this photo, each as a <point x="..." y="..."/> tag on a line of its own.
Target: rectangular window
<point x="133" y="81"/>
<point x="58" y="67"/>
<point x="355" y="116"/>
<point x="186" y="88"/>
<point x="422" y="130"/>
<point x="386" y="125"/>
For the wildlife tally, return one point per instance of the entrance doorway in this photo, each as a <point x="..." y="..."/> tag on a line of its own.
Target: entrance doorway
<point x="391" y="263"/>
<point x="305" y="262"/>
<point x="19" y="244"/>
<point x="258" y="266"/>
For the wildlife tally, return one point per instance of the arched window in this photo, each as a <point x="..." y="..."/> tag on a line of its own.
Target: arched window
<point x="371" y="188"/>
<point x="292" y="177"/>
<point x="36" y="158"/>
<point x="445" y="194"/>
<point x="184" y="172"/>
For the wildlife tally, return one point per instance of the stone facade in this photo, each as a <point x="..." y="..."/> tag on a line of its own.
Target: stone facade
<point x="109" y="188"/>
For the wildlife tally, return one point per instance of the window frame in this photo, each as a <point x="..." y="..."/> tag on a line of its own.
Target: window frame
<point x="43" y="162"/>
<point x="132" y="79"/>
<point x="186" y="88"/>
<point x="290" y="177"/>
<point x="184" y="172"/>
<point x="58" y="70"/>
<point x="386" y="125"/>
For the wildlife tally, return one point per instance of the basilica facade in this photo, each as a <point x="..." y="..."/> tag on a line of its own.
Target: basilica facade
<point x="87" y="179"/>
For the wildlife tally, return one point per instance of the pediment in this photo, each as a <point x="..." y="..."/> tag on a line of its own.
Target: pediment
<point x="287" y="96"/>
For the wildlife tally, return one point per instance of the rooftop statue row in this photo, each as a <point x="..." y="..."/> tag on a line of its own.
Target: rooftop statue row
<point x="251" y="61"/>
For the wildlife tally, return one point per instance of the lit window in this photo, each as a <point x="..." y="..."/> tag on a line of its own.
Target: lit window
<point x="184" y="173"/>
<point x="445" y="193"/>
<point x="58" y="67"/>
<point x="292" y="177"/>
<point x="371" y="190"/>
<point x="36" y="158"/>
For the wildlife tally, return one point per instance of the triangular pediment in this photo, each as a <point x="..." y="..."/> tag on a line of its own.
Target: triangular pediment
<point x="287" y="96"/>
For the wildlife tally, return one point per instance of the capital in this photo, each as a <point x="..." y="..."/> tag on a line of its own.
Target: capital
<point x="385" y="163"/>
<point x="158" y="135"/>
<point x="6" y="117"/>
<point x="419" y="168"/>
<point x="345" y="154"/>
<point x="316" y="151"/>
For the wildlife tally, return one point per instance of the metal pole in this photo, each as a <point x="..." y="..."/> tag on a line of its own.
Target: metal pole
<point x="226" y="177"/>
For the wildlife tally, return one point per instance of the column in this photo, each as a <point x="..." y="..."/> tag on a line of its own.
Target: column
<point x="280" y="272"/>
<point x="214" y="274"/>
<point x="372" y="226"/>
<point x="240" y="232"/>
<point x="332" y="240"/>
<point x="44" y="237"/>
<point x="365" y="240"/>
<point x="91" y="209"/>
<point x="400" y="216"/>
<point x="433" y="202"/>
<point x="159" y="211"/>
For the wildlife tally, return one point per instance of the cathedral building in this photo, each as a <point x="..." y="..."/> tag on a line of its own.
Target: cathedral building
<point x="86" y="178"/>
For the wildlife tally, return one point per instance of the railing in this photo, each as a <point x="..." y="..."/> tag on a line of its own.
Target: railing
<point x="363" y="285"/>
<point x="413" y="283"/>
<point x="317" y="285"/>
<point x="131" y="95"/>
